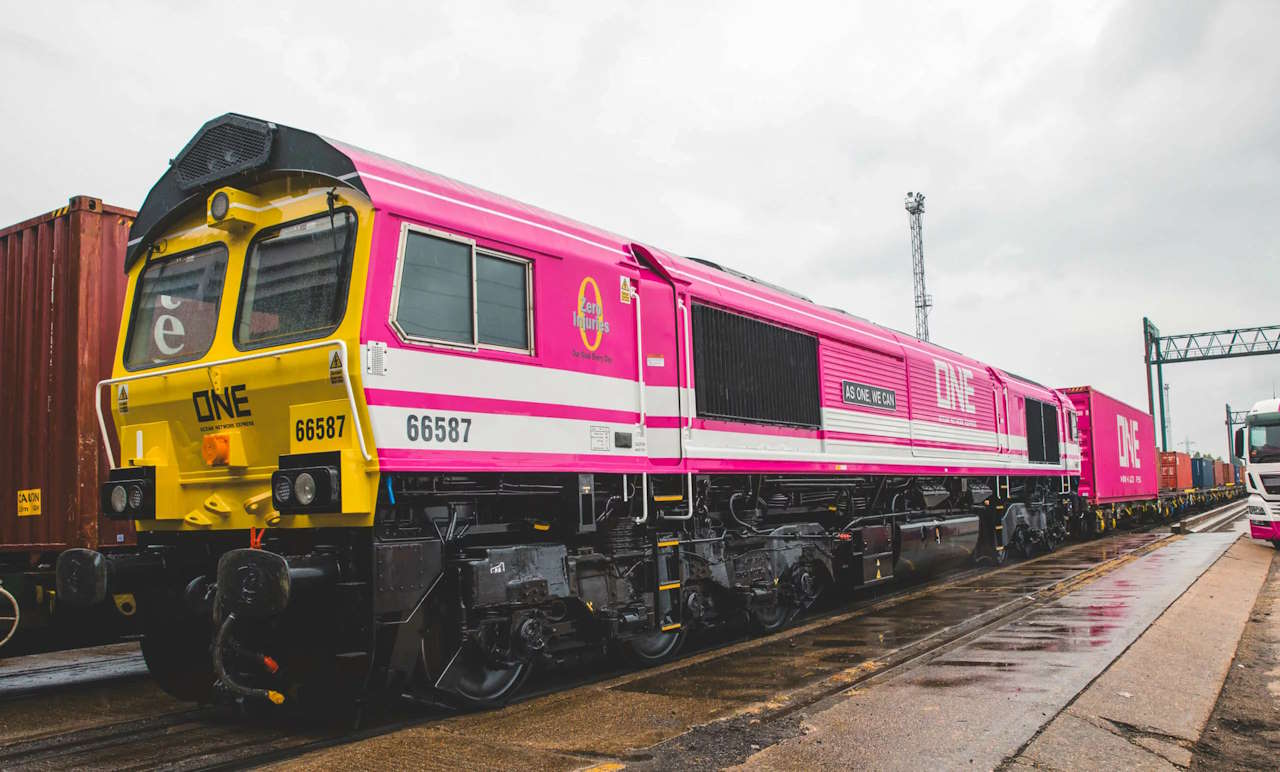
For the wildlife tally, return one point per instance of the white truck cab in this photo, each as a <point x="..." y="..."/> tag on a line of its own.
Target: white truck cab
<point x="1257" y="446"/>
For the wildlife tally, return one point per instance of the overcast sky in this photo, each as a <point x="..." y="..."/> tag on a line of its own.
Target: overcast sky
<point x="1084" y="164"/>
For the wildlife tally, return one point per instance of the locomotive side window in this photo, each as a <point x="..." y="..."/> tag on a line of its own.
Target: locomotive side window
<point x="502" y="301"/>
<point x="450" y="292"/>
<point x="748" y="370"/>
<point x="295" y="284"/>
<point x="434" y="302"/>
<point x="175" y="308"/>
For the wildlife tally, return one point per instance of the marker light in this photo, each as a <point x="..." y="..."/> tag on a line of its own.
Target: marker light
<point x="306" y="486"/>
<point x="219" y="205"/>
<point x="216" y="449"/>
<point x="284" y="489"/>
<point x="119" y="498"/>
<point x="135" y="497"/>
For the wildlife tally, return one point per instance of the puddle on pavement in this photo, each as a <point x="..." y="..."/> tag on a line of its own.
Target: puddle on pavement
<point x="790" y="662"/>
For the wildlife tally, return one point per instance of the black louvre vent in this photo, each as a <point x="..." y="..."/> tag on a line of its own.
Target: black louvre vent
<point x="225" y="146"/>
<point x="1042" y="432"/>
<point x="748" y="370"/>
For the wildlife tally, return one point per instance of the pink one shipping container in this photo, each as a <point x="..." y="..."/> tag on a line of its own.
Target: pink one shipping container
<point x="1117" y="449"/>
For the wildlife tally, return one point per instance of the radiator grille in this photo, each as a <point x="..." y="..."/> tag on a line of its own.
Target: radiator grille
<point x="749" y="370"/>
<point x="1042" y="432"/>
<point x="229" y="145"/>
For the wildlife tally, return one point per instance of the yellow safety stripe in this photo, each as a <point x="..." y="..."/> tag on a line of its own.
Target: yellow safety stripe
<point x="668" y="586"/>
<point x="677" y="497"/>
<point x="671" y="543"/>
<point x="670" y="627"/>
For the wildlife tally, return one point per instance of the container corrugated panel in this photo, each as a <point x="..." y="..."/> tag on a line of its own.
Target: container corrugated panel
<point x="1117" y="448"/>
<point x="1175" y="471"/>
<point x="1202" y="473"/>
<point x="61" y="291"/>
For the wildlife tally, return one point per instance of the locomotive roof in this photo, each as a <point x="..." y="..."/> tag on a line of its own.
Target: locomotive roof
<point x="235" y="149"/>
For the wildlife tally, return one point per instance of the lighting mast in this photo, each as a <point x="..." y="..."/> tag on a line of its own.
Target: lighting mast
<point x="915" y="208"/>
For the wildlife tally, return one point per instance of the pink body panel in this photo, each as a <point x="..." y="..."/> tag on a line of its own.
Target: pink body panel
<point x="1117" y="444"/>
<point x="566" y="405"/>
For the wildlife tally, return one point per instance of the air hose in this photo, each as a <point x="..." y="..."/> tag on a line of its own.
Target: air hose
<point x="220" y="643"/>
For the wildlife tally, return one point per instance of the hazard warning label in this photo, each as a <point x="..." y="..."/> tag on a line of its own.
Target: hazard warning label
<point x="335" y="368"/>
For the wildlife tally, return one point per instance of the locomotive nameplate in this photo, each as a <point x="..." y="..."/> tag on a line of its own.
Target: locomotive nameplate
<point x="870" y="396"/>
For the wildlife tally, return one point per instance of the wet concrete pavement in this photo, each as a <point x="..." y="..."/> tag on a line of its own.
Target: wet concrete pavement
<point x="628" y="719"/>
<point x="1149" y="709"/>
<point x="982" y="700"/>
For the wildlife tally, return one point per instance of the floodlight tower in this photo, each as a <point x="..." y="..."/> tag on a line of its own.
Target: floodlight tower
<point x="915" y="208"/>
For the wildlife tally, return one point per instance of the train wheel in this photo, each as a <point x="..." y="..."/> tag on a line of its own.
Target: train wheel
<point x="772" y="617"/>
<point x="476" y="681"/>
<point x="654" y="648"/>
<point x="1022" y="540"/>
<point x="1051" y="540"/>
<point x="179" y="661"/>
<point x="10" y="616"/>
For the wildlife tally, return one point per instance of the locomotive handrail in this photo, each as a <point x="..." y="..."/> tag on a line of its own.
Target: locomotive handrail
<point x="341" y="345"/>
<point x="635" y="296"/>
<point x="688" y="366"/>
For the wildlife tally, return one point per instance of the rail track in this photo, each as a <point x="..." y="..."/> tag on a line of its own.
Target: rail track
<point x="215" y="738"/>
<point x="109" y="663"/>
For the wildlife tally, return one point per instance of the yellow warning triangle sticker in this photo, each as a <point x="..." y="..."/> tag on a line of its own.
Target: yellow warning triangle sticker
<point x="336" y="362"/>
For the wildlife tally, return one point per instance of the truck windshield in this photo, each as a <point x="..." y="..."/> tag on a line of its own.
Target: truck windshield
<point x="175" y="308"/>
<point x="1264" y="443"/>
<point x="295" y="281"/>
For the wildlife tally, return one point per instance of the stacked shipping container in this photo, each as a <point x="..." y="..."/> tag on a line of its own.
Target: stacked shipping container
<point x="61" y="291"/>
<point x="1202" y="473"/>
<point x="1175" y="471"/>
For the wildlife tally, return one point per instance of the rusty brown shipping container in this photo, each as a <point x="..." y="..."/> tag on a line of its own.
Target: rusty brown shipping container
<point x="1175" y="471"/>
<point x="61" y="291"/>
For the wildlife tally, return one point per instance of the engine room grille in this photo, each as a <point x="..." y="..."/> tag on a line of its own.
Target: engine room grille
<point x="1042" y="432"/>
<point x="224" y="147"/>
<point x="749" y="370"/>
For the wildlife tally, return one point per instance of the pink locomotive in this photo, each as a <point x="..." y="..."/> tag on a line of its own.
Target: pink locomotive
<point x="480" y="435"/>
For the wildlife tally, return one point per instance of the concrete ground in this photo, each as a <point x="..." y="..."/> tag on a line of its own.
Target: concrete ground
<point x="1118" y="668"/>
<point x="1244" y="730"/>
<point x="1148" y="710"/>
<point x="1085" y="682"/>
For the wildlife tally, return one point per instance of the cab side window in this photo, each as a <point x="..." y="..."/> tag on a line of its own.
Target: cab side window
<point x="451" y="292"/>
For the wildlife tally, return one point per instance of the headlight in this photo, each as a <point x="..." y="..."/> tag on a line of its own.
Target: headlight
<point x="119" y="498"/>
<point x="220" y="205"/>
<point x="284" y="489"/>
<point x="135" y="496"/>
<point x="1253" y="510"/>
<point x="306" y="488"/>
<point x="310" y="489"/>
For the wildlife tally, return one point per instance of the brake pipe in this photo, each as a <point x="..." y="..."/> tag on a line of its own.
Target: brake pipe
<point x="220" y="643"/>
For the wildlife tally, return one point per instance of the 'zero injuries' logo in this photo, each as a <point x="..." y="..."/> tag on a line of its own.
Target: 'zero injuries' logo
<point x="588" y="314"/>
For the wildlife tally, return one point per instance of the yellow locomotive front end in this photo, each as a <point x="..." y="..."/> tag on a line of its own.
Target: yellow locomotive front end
<point x="235" y="412"/>
<point x="234" y="360"/>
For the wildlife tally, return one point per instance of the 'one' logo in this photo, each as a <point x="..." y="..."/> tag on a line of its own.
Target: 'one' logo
<point x="213" y="405"/>
<point x="952" y="383"/>
<point x="1127" y="436"/>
